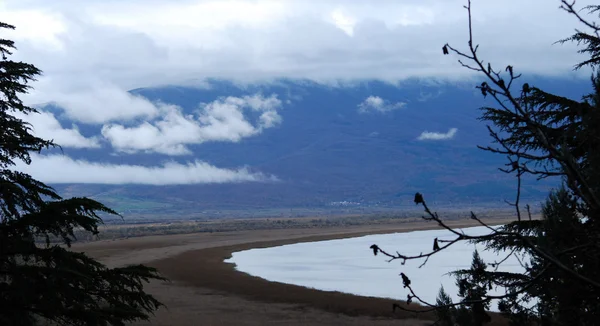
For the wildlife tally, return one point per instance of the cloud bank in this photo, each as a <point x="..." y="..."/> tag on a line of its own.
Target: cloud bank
<point x="62" y="169"/>
<point x="134" y="43"/>
<point x="427" y="135"/>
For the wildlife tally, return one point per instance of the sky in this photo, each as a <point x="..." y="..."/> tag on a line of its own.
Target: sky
<point x="92" y="52"/>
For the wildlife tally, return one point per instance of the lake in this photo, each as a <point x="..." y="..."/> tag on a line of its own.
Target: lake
<point x="348" y="265"/>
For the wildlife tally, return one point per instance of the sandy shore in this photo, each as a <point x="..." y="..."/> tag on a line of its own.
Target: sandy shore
<point x="206" y="291"/>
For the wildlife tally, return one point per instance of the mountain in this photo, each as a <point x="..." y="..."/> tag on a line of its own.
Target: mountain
<point x="326" y="153"/>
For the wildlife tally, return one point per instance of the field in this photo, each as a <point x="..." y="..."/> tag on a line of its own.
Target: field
<point x="145" y="226"/>
<point x="206" y="291"/>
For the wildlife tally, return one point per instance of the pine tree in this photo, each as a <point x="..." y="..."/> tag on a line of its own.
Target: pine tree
<point x="446" y="314"/>
<point x="472" y="287"/>
<point x="47" y="281"/>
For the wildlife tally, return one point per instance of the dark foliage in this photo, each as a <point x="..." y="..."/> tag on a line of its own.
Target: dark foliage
<point x="472" y="287"/>
<point x="49" y="281"/>
<point x="446" y="314"/>
<point x="545" y="136"/>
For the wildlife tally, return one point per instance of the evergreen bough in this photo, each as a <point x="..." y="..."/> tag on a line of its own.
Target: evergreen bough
<point x="47" y="282"/>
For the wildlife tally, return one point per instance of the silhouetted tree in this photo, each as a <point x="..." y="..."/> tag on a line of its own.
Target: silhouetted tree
<point x="547" y="136"/>
<point x="49" y="282"/>
<point x="446" y="314"/>
<point x="472" y="287"/>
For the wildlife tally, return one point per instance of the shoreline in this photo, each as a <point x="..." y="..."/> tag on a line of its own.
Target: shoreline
<point x="206" y="268"/>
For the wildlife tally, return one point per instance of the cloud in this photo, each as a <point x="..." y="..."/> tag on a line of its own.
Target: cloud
<point x="426" y="96"/>
<point x="45" y="125"/>
<point x="426" y="135"/>
<point x="95" y="102"/>
<point x="62" y="169"/>
<point x="220" y="120"/>
<point x="376" y="103"/>
<point x="105" y="104"/>
<point x="134" y="43"/>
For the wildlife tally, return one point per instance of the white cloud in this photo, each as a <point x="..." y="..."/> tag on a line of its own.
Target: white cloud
<point x="427" y="135"/>
<point x="95" y="102"/>
<point x="62" y="169"/>
<point x="40" y="27"/>
<point x="134" y="43"/>
<point x="45" y="125"/>
<point x="376" y="103"/>
<point x="105" y="104"/>
<point x="343" y="21"/>
<point x="269" y="119"/>
<point x="221" y="120"/>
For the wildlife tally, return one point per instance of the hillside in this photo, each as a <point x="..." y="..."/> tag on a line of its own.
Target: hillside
<point x="328" y="151"/>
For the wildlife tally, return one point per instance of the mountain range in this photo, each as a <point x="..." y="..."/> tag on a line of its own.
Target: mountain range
<point x="364" y="146"/>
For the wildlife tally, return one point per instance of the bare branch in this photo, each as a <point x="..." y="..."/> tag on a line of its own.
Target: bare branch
<point x="570" y="8"/>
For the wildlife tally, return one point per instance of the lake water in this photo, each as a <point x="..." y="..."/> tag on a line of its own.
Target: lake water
<point x="348" y="265"/>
